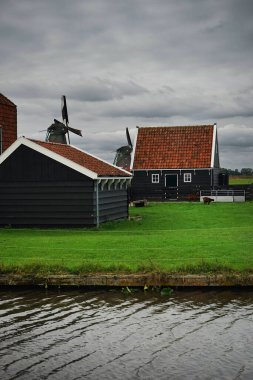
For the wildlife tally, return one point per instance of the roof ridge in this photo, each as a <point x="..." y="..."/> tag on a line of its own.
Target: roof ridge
<point x="179" y="126"/>
<point x="48" y="142"/>
<point x="6" y="101"/>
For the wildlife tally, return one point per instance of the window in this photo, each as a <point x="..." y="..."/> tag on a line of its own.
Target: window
<point x="187" y="177"/>
<point x="155" y="178"/>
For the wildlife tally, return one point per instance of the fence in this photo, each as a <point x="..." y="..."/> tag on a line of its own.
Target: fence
<point x="224" y="195"/>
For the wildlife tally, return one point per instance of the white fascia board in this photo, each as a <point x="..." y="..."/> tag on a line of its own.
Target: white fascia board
<point x="134" y="148"/>
<point x="10" y="150"/>
<point x="213" y="145"/>
<point x="46" y="152"/>
<point x="98" y="178"/>
<point x="162" y="170"/>
<point x="100" y="159"/>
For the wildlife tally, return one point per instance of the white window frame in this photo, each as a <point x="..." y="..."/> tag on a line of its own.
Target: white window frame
<point x="187" y="177"/>
<point x="155" y="178"/>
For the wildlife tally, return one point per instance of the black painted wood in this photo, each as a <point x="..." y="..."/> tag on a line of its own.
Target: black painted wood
<point x="143" y="188"/>
<point x="35" y="190"/>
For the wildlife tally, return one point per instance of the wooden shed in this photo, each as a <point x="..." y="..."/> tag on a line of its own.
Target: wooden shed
<point x="50" y="184"/>
<point x="172" y="163"/>
<point x="8" y="123"/>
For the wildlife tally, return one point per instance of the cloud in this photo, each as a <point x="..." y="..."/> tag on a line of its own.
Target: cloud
<point x="236" y="136"/>
<point x="128" y="63"/>
<point x="91" y="90"/>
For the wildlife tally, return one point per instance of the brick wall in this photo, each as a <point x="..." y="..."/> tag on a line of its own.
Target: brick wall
<point x="8" y="122"/>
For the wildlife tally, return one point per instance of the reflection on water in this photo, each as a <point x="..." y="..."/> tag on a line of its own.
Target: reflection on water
<point x="108" y="335"/>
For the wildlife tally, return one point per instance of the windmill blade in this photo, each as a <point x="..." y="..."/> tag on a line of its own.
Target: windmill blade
<point x="74" y="130"/>
<point x="64" y="110"/>
<point x="59" y="123"/>
<point x="128" y="138"/>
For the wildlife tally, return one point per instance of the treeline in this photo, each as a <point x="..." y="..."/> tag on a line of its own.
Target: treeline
<point x="243" y="171"/>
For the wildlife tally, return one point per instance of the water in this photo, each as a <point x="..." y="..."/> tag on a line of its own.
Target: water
<point x="109" y="335"/>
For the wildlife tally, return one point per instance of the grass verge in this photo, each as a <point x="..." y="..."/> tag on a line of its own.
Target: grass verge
<point x="240" y="180"/>
<point x="162" y="237"/>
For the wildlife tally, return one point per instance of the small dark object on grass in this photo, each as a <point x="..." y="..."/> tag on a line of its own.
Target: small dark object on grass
<point x="208" y="200"/>
<point x="140" y="203"/>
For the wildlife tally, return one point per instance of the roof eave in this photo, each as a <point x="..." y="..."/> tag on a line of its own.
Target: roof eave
<point x="46" y="152"/>
<point x="213" y="145"/>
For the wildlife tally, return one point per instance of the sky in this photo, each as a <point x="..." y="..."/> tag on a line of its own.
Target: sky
<point x="131" y="63"/>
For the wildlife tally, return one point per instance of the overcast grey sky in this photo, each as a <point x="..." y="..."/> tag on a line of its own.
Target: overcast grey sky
<point x="128" y="63"/>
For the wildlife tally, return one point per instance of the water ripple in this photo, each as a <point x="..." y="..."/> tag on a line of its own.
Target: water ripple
<point x="108" y="335"/>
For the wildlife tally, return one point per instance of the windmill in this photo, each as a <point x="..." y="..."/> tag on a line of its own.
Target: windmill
<point x="123" y="154"/>
<point x="57" y="131"/>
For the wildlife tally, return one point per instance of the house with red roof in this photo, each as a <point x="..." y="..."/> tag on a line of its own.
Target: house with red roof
<point x="8" y="123"/>
<point x="52" y="184"/>
<point x="175" y="162"/>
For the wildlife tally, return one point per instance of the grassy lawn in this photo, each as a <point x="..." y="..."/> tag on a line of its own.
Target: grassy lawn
<point x="240" y="180"/>
<point x="184" y="237"/>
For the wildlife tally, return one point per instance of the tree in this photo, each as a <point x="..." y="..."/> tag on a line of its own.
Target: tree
<point x="247" y="171"/>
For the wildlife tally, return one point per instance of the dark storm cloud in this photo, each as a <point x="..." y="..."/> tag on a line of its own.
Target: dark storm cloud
<point x="229" y="136"/>
<point x="93" y="90"/>
<point x="123" y="63"/>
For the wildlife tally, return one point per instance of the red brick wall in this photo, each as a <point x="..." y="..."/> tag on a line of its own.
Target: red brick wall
<point x="8" y="124"/>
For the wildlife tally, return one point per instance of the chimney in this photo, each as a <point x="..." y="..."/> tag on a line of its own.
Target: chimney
<point x="8" y="123"/>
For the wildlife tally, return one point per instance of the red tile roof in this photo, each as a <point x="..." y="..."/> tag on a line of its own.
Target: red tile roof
<point x="6" y="101"/>
<point x="174" y="147"/>
<point x="101" y="168"/>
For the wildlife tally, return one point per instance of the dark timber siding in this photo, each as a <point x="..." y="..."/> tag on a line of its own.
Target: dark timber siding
<point x="36" y="190"/>
<point x="142" y="186"/>
<point x="113" y="204"/>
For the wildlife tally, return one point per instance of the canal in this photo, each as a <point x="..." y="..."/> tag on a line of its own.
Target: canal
<point x="111" y="335"/>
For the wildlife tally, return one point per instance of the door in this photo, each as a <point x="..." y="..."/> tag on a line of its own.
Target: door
<point x="171" y="186"/>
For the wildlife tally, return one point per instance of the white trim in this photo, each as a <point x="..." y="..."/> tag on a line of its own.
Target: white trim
<point x="55" y="156"/>
<point x="114" y="177"/>
<point x="213" y="144"/>
<point x="113" y="181"/>
<point x="103" y="183"/>
<point x="155" y="178"/>
<point x="110" y="182"/>
<point x="116" y="182"/>
<point x="97" y="204"/>
<point x="122" y="183"/>
<point x="162" y="170"/>
<point x="166" y="180"/>
<point x="189" y="175"/>
<point x="134" y="148"/>
<point x="46" y="152"/>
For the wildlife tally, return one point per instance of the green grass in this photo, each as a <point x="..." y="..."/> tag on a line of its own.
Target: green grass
<point x="240" y="180"/>
<point x="182" y="237"/>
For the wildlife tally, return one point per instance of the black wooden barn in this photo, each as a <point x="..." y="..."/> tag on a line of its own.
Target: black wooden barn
<point x="173" y="163"/>
<point x="50" y="184"/>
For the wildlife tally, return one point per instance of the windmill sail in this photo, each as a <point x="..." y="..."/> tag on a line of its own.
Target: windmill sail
<point x="128" y="138"/>
<point x="123" y="154"/>
<point x="57" y="131"/>
<point x="64" y="110"/>
<point x="76" y="131"/>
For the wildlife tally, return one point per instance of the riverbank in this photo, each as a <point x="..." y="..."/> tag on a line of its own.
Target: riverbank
<point x="185" y="237"/>
<point x="163" y="244"/>
<point x="145" y="280"/>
